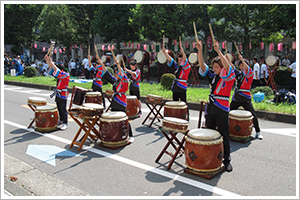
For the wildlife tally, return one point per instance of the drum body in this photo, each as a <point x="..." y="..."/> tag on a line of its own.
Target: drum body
<point x="240" y="124"/>
<point x="132" y="106"/>
<point x="204" y="150"/>
<point x="193" y="58"/>
<point x="175" y="125"/>
<point x="114" y="129"/>
<point x="105" y="59"/>
<point x="37" y="101"/>
<point x="176" y="109"/>
<point x="161" y="58"/>
<point x="91" y="110"/>
<point x="46" y="118"/>
<point x="154" y="99"/>
<point x="142" y="57"/>
<point x="79" y="94"/>
<point x="109" y="93"/>
<point x="271" y="60"/>
<point x="93" y="97"/>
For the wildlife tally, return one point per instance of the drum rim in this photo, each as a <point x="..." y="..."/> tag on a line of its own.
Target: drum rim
<point x="45" y="108"/>
<point x="109" y="115"/>
<point x="97" y="106"/>
<point x="175" y="103"/>
<point x="191" y="56"/>
<point x="142" y="57"/>
<point x="40" y="98"/>
<point x="154" y="96"/>
<point x="176" y="121"/>
<point x="234" y="113"/>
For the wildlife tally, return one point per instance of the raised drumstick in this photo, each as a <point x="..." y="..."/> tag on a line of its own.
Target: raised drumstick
<point x="96" y="51"/>
<point x="196" y="36"/>
<point x="236" y="48"/>
<point x="212" y="34"/>
<point x="163" y="40"/>
<point x="50" y="50"/>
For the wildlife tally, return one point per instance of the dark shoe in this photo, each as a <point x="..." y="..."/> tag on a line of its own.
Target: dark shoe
<point x="228" y="167"/>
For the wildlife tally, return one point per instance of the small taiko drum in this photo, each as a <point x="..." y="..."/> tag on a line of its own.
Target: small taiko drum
<point x="204" y="150"/>
<point x="193" y="58"/>
<point x="132" y="106"/>
<point x="142" y="56"/>
<point x="154" y="99"/>
<point x="79" y="94"/>
<point x="271" y="60"/>
<point x="109" y="93"/>
<point x="91" y="110"/>
<point x="114" y="129"/>
<point x="93" y="97"/>
<point x="161" y="58"/>
<point x="175" y="124"/>
<point x="46" y="118"/>
<point x="105" y="59"/>
<point x="176" y="109"/>
<point x="240" y="124"/>
<point x="37" y="101"/>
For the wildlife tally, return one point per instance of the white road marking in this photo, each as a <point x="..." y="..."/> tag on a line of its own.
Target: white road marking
<point x="133" y="163"/>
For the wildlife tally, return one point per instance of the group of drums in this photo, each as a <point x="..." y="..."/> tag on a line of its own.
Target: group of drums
<point x="203" y="147"/>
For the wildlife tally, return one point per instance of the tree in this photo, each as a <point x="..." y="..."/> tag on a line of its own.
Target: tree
<point x="112" y="21"/>
<point x="19" y="23"/>
<point x="58" y="24"/>
<point x="250" y="23"/>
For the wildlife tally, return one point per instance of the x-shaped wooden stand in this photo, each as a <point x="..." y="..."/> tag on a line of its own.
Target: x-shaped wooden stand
<point x="153" y="110"/>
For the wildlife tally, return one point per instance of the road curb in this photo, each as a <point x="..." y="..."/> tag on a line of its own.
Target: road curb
<point x="279" y="117"/>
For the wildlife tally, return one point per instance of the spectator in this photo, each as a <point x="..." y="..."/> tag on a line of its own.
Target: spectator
<point x="86" y="66"/>
<point x="292" y="68"/>
<point x="72" y="67"/>
<point x="285" y="62"/>
<point x="264" y="75"/>
<point x="6" y="64"/>
<point x="256" y="70"/>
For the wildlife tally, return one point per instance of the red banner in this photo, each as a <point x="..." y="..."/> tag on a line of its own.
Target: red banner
<point x="60" y="51"/>
<point x="271" y="47"/>
<point x="145" y="47"/>
<point x="294" y="45"/>
<point x="280" y="46"/>
<point x="261" y="45"/>
<point x="223" y="45"/>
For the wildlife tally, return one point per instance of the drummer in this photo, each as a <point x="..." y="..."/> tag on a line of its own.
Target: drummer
<point x="179" y="86"/>
<point x="102" y="72"/>
<point x="119" y="99"/>
<point x="221" y="80"/>
<point x="134" y="88"/>
<point x="242" y="95"/>
<point x="61" y="91"/>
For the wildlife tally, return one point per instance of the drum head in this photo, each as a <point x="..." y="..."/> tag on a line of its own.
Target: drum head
<point x="230" y="57"/>
<point x="193" y="58"/>
<point x="240" y="113"/>
<point x="93" y="94"/>
<point x="271" y="60"/>
<point x="94" y="106"/>
<point x="161" y="57"/>
<point x="138" y="56"/>
<point x="175" y="103"/>
<point x="204" y="133"/>
<point x="131" y="97"/>
<point x="46" y="107"/>
<point x="154" y="96"/>
<point x="119" y="58"/>
<point x="114" y="115"/>
<point x="37" y="99"/>
<point x="175" y="120"/>
<point x="104" y="59"/>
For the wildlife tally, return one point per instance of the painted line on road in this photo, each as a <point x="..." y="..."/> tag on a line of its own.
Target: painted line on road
<point x="133" y="163"/>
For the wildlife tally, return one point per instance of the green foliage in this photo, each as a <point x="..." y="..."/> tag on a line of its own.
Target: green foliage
<point x="264" y="89"/>
<point x="167" y="80"/>
<point x="30" y="71"/>
<point x="104" y="81"/>
<point x="282" y="76"/>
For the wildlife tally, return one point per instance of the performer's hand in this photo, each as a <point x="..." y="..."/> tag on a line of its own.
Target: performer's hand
<point x="216" y="47"/>
<point x="240" y="57"/>
<point x="163" y="49"/>
<point x="199" y="45"/>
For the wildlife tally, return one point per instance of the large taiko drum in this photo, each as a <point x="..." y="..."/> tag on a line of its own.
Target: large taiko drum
<point x="79" y="94"/>
<point x="271" y="60"/>
<point x="193" y="58"/>
<point x="119" y="59"/>
<point x="132" y="106"/>
<point x="37" y="101"/>
<point x="154" y="99"/>
<point x="175" y="124"/>
<point x="161" y="58"/>
<point x="91" y="110"/>
<point x="93" y="97"/>
<point x="240" y="124"/>
<point x="105" y="59"/>
<point x="142" y="57"/>
<point x="204" y="150"/>
<point x="176" y="109"/>
<point x="114" y="129"/>
<point x="46" y="118"/>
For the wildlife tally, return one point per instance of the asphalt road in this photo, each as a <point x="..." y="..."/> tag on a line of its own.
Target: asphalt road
<point x="260" y="167"/>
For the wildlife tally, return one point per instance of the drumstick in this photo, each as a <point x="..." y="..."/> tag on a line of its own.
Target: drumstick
<point x="180" y="40"/>
<point x="236" y="48"/>
<point x="123" y="61"/>
<point x="163" y="40"/>
<point x="89" y="50"/>
<point x="50" y="49"/>
<point x="212" y="34"/>
<point x="196" y="36"/>
<point x="112" y="52"/>
<point x="96" y="50"/>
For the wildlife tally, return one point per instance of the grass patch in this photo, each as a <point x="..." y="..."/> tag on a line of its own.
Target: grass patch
<point x="194" y="95"/>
